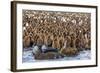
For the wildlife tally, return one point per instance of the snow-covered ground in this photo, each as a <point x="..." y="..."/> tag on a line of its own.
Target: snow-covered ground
<point x="83" y="55"/>
<point x="27" y="56"/>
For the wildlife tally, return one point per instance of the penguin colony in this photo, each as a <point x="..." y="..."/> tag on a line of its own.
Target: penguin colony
<point x="54" y="33"/>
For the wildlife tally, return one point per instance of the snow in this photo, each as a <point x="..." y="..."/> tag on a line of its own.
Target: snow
<point x="28" y="57"/>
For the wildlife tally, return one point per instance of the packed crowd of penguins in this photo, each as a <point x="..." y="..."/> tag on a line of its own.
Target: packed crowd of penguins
<point x="55" y="34"/>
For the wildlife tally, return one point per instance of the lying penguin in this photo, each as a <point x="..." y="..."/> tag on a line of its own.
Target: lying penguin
<point x="46" y="49"/>
<point x="48" y="56"/>
<point x="46" y="53"/>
